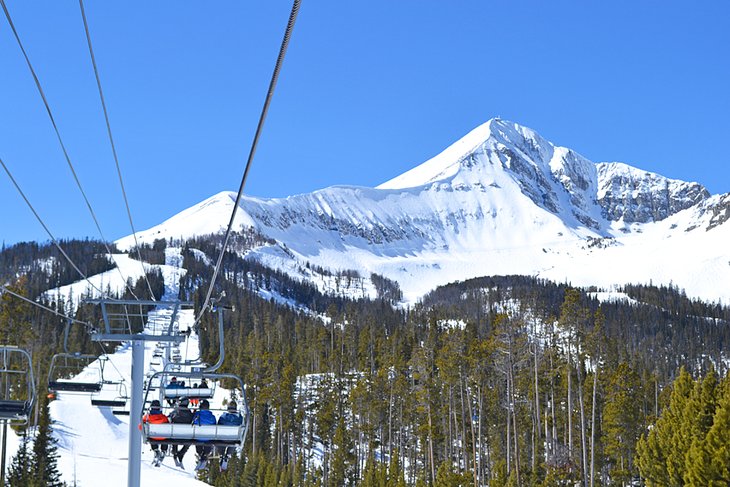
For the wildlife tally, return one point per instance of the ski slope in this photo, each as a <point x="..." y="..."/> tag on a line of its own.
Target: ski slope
<point x="111" y="281"/>
<point x="93" y="442"/>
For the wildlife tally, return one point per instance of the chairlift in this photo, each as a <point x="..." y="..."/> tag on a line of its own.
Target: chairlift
<point x="17" y="384"/>
<point x="109" y="403"/>
<point x="192" y="434"/>
<point x="118" y="401"/>
<point x="75" y="372"/>
<point x="189" y="391"/>
<point x="121" y="409"/>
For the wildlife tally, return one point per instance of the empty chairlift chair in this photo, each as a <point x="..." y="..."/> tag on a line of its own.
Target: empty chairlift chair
<point x="121" y="409"/>
<point x="115" y="399"/>
<point x="17" y="384"/>
<point x="75" y="372"/>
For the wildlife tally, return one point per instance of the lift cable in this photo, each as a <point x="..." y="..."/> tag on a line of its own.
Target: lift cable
<point x="57" y="244"/>
<point x="88" y="325"/>
<point x="113" y="146"/>
<point x="3" y="289"/>
<point x="53" y="239"/>
<point x="259" y="128"/>
<point x="58" y="135"/>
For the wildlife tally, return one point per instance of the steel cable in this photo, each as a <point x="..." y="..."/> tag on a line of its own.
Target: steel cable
<point x="3" y="289"/>
<point x="60" y="140"/>
<point x="259" y="128"/>
<point x="50" y="235"/>
<point x="113" y="147"/>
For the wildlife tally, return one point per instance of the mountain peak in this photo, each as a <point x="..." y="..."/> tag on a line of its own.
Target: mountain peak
<point x="501" y="200"/>
<point x="445" y="164"/>
<point x="494" y="134"/>
<point x="209" y="216"/>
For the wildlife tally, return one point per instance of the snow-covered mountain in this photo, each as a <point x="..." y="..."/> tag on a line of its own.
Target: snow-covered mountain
<point x="501" y="200"/>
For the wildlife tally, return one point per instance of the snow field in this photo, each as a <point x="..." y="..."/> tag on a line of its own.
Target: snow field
<point x="92" y="441"/>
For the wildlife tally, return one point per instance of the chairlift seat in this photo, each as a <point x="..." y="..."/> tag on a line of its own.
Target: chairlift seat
<point x="189" y="392"/>
<point x="113" y="403"/>
<point x="71" y="386"/>
<point x="193" y="434"/>
<point x="120" y="412"/>
<point x="14" y="410"/>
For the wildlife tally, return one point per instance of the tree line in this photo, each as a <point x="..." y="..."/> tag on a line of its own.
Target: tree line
<point x="494" y="381"/>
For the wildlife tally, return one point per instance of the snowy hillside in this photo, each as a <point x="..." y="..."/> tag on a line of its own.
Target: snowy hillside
<point x="502" y="200"/>
<point x="92" y="441"/>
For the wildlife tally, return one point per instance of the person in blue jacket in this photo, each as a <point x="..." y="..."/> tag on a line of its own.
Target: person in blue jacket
<point x="174" y="384"/>
<point x="203" y="417"/>
<point x="230" y="418"/>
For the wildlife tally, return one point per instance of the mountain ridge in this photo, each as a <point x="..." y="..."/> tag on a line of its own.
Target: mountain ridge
<point x="500" y="200"/>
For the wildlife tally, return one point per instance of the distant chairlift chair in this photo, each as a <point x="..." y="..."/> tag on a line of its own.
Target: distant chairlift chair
<point x="119" y="400"/>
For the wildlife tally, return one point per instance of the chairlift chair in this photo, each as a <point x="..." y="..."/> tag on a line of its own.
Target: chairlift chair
<point x="124" y="411"/>
<point x="175" y="393"/>
<point x="17" y="384"/>
<point x="118" y="401"/>
<point x="75" y="372"/>
<point x="192" y="434"/>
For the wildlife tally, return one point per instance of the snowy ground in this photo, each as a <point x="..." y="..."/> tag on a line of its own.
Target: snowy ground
<point x="111" y="281"/>
<point x="92" y="441"/>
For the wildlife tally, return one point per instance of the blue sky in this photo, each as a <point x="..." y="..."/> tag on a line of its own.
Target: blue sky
<point x="368" y="91"/>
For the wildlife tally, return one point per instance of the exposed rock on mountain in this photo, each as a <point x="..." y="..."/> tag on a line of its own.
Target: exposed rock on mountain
<point x="636" y="196"/>
<point x="501" y="200"/>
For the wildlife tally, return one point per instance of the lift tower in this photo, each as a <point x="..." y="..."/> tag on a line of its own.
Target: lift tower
<point x="126" y="321"/>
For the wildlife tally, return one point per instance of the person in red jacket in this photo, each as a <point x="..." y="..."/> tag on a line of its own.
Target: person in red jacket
<point x="155" y="416"/>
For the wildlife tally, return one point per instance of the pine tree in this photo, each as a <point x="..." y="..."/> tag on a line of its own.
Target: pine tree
<point x="15" y="325"/>
<point x="369" y="475"/>
<point x="342" y="457"/>
<point x="446" y="477"/>
<point x="44" y="462"/>
<point x="658" y="457"/>
<point x="695" y="422"/>
<point x="622" y="421"/>
<point x="396" y="476"/>
<point x="19" y="472"/>
<point x="708" y="462"/>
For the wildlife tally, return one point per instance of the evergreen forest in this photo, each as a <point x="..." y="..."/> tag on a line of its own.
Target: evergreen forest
<point x="498" y="381"/>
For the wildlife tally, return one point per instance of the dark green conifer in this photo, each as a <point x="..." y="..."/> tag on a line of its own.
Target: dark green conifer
<point x="19" y="472"/>
<point x="45" y="455"/>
